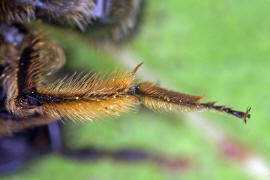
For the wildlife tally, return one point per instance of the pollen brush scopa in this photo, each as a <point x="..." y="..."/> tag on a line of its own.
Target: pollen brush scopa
<point x="33" y="105"/>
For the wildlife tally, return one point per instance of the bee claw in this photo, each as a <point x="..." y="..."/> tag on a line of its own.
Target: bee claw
<point x="247" y="115"/>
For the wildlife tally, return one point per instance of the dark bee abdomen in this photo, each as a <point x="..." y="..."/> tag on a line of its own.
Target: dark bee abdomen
<point x="19" y="148"/>
<point x="14" y="150"/>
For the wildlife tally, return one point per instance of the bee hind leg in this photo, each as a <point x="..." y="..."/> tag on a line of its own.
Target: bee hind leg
<point x="126" y="155"/>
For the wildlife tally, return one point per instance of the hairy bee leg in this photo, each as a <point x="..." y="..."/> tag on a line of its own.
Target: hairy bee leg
<point x="87" y="96"/>
<point x="124" y="155"/>
<point x="79" y="12"/>
<point x="16" y="124"/>
<point x="239" y="114"/>
<point x="62" y="12"/>
<point x="119" y="22"/>
<point x="81" y="96"/>
<point x="18" y="11"/>
<point x="157" y="98"/>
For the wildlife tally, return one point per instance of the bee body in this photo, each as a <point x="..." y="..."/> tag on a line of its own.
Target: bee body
<point x="32" y="106"/>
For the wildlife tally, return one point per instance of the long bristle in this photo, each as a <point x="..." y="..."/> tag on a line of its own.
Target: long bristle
<point x="90" y="85"/>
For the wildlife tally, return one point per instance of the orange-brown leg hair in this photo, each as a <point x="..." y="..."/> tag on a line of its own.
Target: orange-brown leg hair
<point x="84" y="96"/>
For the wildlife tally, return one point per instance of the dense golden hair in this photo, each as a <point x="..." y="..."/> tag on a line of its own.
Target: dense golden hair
<point x="83" y="96"/>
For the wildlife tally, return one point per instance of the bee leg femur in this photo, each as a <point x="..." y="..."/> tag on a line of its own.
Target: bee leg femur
<point x="130" y="155"/>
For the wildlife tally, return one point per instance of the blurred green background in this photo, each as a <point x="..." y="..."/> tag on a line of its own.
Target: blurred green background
<point x="214" y="48"/>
